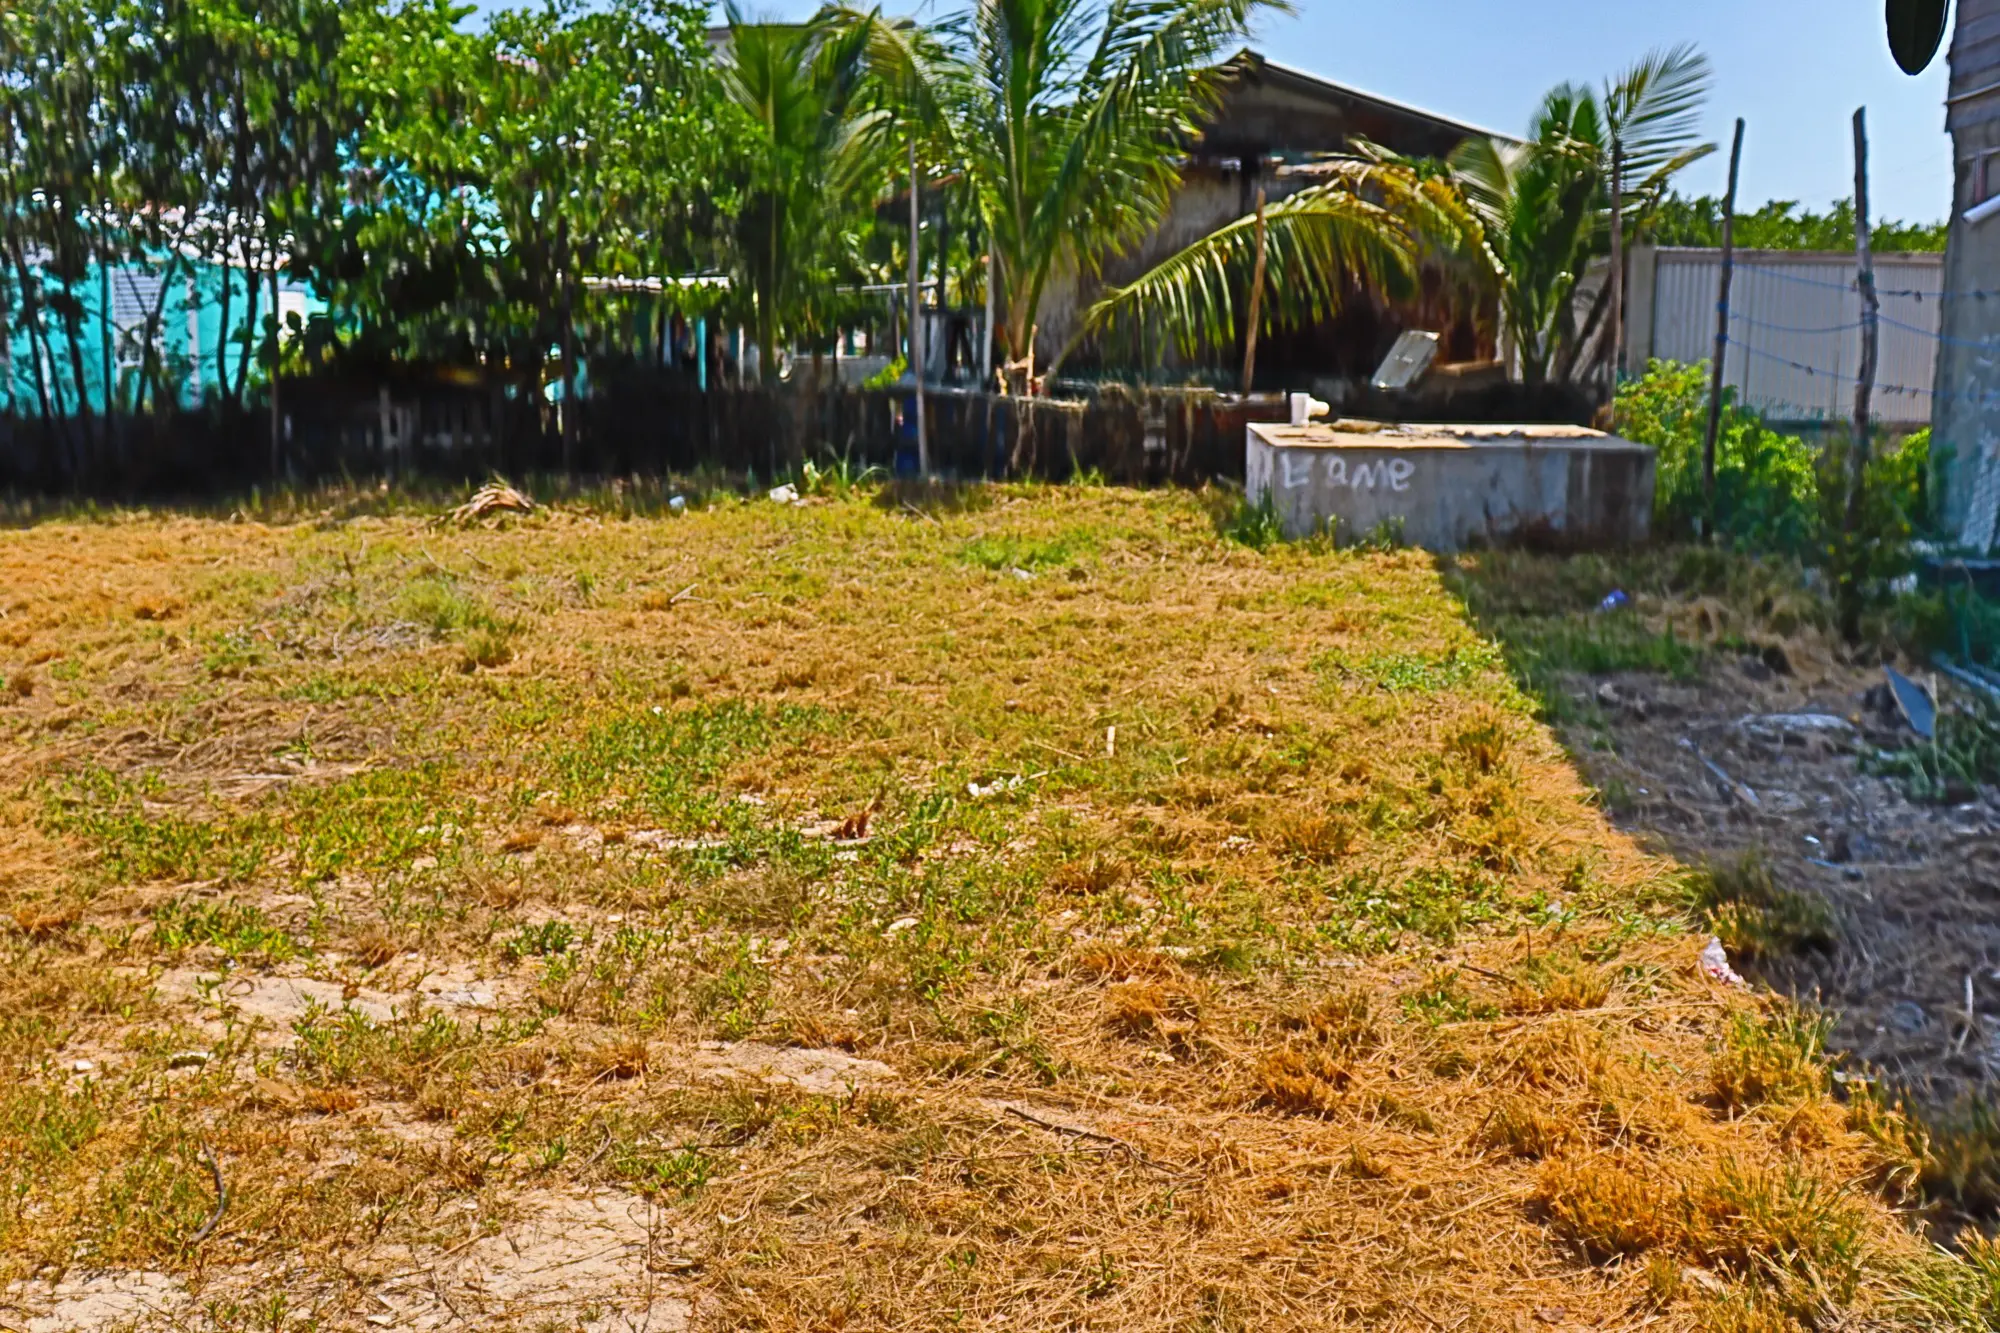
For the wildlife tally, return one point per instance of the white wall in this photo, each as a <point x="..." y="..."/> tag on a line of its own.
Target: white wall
<point x="1794" y="328"/>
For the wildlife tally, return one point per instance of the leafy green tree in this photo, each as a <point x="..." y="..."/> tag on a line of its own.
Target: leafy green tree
<point x="61" y="118"/>
<point x="1783" y="225"/>
<point x="501" y="169"/>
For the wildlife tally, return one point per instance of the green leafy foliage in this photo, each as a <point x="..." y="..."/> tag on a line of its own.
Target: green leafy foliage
<point x="1783" y="225"/>
<point x="1545" y="205"/>
<point x="1766" y="484"/>
<point x="1963" y="753"/>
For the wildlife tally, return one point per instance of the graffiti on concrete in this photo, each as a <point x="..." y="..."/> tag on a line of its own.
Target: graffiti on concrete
<point x="1295" y="469"/>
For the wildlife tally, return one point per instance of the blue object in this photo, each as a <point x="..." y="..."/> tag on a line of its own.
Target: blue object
<point x="1913" y="701"/>
<point x="1615" y="600"/>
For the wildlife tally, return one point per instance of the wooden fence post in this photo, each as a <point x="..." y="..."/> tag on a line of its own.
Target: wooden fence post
<point x="1864" y="387"/>
<point x="1721" y="336"/>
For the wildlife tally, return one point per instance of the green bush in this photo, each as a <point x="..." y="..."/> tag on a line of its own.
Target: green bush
<point x="1767" y="494"/>
<point x="1774" y="493"/>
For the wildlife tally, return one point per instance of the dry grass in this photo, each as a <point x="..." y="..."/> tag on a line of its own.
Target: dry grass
<point x="428" y="873"/>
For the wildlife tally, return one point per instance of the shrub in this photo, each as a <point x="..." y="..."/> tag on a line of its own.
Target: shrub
<point x="1781" y="1059"/>
<point x="1774" y="493"/>
<point x="1757" y="917"/>
<point x="1766" y="490"/>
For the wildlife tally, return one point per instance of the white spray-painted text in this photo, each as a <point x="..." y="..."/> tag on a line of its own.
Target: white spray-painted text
<point x="1295" y="470"/>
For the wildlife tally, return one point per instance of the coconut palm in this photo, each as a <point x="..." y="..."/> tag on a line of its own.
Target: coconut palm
<point x="1070" y="120"/>
<point x="814" y="170"/>
<point x="1547" y="204"/>
<point x="1652" y="113"/>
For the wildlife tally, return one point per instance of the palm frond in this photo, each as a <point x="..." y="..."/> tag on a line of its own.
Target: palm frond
<point x="1112" y="181"/>
<point x="1654" y="108"/>
<point x="1366" y="226"/>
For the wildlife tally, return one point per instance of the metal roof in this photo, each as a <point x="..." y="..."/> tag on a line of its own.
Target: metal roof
<point x="1315" y="84"/>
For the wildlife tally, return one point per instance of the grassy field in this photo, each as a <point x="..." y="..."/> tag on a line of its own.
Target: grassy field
<point x="1022" y="910"/>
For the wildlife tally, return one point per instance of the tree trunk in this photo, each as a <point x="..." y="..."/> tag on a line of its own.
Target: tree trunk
<point x="1256" y="303"/>
<point x="31" y="311"/>
<point x="917" y="315"/>
<point x="1615" y="280"/>
<point x="244" y="354"/>
<point x="277" y="358"/>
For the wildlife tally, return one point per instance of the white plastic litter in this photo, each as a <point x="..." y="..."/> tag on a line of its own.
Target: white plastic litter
<point x="787" y="494"/>
<point x="1715" y="964"/>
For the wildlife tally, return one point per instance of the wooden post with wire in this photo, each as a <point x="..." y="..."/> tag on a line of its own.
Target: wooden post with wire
<point x="1864" y="387"/>
<point x="1721" y="335"/>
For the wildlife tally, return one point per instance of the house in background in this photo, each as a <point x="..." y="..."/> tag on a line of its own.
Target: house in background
<point x="192" y="338"/>
<point x="1274" y="122"/>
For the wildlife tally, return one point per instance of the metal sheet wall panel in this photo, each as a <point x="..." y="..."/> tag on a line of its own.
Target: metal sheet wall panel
<point x="1795" y="340"/>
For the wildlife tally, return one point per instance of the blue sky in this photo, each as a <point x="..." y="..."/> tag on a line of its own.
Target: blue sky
<point x="1793" y="69"/>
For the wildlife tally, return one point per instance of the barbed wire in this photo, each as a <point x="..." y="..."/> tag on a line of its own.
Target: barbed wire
<point x="1740" y="317"/>
<point x="1854" y="285"/>
<point x="1823" y="372"/>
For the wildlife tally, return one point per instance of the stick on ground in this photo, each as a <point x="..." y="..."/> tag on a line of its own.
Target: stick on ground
<point x="221" y="1199"/>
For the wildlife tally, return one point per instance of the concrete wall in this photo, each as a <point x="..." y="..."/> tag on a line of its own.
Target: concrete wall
<point x="1446" y="488"/>
<point x="1965" y="438"/>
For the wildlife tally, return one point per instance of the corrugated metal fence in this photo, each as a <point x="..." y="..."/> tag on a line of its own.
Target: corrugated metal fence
<point x="1795" y="328"/>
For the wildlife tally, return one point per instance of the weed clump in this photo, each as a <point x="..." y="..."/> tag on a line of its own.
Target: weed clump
<point x="1147" y="1011"/>
<point x="1558" y="980"/>
<point x="1961" y="1159"/>
<point x="1301" y="1082"/>
<point x="1755" y="916"/>
<point x="1519" y="1127"/>
<point x="1607" y="1206"/>
<point x="1963" y="754"/>
<point x="1344" y="1022"/>
<point x="1796" y="1238"/>
<point x="1779" y="1059"/>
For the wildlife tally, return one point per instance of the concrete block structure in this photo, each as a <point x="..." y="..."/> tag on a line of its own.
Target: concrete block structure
<point x="1448" y="488"/>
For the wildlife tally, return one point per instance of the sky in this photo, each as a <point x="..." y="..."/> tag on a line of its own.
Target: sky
<point x="1795" y="70"/>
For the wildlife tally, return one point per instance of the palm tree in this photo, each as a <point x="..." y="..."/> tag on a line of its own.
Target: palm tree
<point x="1364" y="223"/>
<point x="814" y="171"/>
<point x="1594" y="164"/>
<point x="1651" y="116"/>
<point x="1070" y="121"/>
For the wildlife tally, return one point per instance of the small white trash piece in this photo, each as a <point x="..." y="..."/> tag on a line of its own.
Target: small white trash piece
<point x="1715" y="964"/>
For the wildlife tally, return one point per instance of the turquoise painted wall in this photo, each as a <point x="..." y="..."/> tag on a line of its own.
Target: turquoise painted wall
<point x="116" y="302"/>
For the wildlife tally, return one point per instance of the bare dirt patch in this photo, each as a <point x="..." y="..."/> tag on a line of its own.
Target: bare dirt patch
<point x="1910" y="890"/>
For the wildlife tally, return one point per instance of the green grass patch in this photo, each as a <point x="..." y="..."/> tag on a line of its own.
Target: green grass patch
<point x="1413" y="672"/>
<point x="1005" y="551"/>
